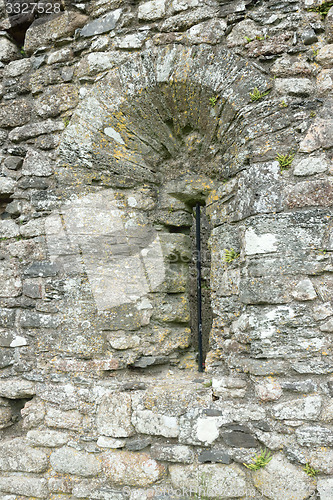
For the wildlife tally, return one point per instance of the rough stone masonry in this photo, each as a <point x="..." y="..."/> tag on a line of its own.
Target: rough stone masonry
<point x="116" y="118"/>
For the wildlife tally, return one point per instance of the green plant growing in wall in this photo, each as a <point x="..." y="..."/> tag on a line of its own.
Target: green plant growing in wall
<point x="255" y="95"/>
<point x="230" y="255"/>
<point x="248" y="39"/>
<point x="203" y="487"/>
<point x="213" y="101"/>
<point x="260" y="460"/>
<point x="310" y="471"/>
<point x="321" y="9"/>
<point x="285" y="160"/>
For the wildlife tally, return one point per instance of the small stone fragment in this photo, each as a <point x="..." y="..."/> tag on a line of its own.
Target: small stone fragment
<point x="149" y="11"/>
<point x="304" y="290"/>
<point x="101" y="25"/>
<point x="268" y="390"/>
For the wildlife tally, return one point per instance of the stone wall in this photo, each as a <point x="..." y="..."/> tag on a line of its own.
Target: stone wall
<point x="116" y="117"/>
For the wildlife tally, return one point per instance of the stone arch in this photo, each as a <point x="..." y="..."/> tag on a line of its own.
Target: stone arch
<point x="167" y="127"/>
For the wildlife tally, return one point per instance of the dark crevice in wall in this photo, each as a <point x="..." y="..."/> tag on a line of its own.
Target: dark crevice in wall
<point x="207" y="313"/>
<point x="4" y="201"/>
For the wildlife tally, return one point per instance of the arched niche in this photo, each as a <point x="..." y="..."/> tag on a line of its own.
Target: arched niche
<point x="166" y="128"/>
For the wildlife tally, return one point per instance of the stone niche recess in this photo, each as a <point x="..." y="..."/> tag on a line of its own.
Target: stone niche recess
<point x="119" y="117"/>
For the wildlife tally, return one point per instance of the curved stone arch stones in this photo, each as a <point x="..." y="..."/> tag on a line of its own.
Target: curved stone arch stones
<point x="168" y="127"/>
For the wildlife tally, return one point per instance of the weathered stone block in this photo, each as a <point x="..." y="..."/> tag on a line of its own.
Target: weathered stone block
<point x="17" y="456"/>
<point x="259" y="191"/>
<point x="33" y="414"/>
<point x="321" y="459"/>
<point x="35" y="129"/>
<point x="47" y="438"/>
<point x="325" y="81"/>
<point x="272" y="290"/>
<point x="172" y="308"/>
<point x="327" y="326"/>
<point x="229" y="387"/>
<point x="10" y="283"/>
<point x="294" y="86"/>
<point x="195" y="429"/>
<point x="311" y="165"/>
<point x="8" y="50"/>
<point x="101" y="25"/>
<point x="279" y="479"/>
<point x="36" y="163"/>
<point x="310" y="194"/>
<point x="237" y="436"/>
<point x="57" y="26"/>
<point x="5" y="414"/>
<point x="325" y="488"/>
<point x="150" y="11"/>
<point x="41" y="269"/>
<point x="307" y="408"/>
<point x="9" y="229"/>
<point x="13" y="162"/>
<point x="15" y="114"/>
<point x="148" y="422"/>
<point x="108" y="442"/>
<point x="10" y="339"/>
<point x="61" y="55"/>
<point x="214" y="481"/>
<point x="320" y="134"/>
<point x="70" y="461"/>
<point x="63" y="419"/>
<point x="214" y="456"/>
<point x="26" y="486"/>
<point x="304" y="290"/>
<point x="16" y="388"/>
<point x="172" y="453"/>
<point x="268" y="390"/>
<point x="314" y="435"/>
<point x="241" y="30"/>
<point x="133" y="41"/>
<point x="136" y="469"/>
<point x="57" y="99"/>
<point x="325" y="56"/>
<point x="96" y="62"/>
<point x="31" y="319"/>
<point x="7" y="317"/>
<point x="17" y="68"/>
<point x="114" y="416"/>
<point x="7" y="185"/>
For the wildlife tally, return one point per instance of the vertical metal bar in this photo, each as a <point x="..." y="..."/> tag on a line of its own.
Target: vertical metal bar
<point x="199" y="298"/>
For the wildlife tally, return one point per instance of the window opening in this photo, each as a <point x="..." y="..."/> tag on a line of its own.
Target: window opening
<point x="199" y="284"/>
